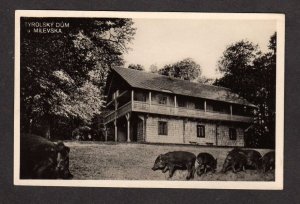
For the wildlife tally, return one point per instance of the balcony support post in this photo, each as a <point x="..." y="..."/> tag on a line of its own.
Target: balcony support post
<point x="105" y="134"/>
<point x="150" y="98"/>
<point x="230" y="111"/>
<point x="116" y="130"/>
<point x="183" y="135"/>
<point x="175" y="101"/>
<point x="128" y="126"/>
<point x="205" y="106"/>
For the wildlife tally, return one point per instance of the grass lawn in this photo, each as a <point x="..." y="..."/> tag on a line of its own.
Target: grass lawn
<point x="131" y="161"/>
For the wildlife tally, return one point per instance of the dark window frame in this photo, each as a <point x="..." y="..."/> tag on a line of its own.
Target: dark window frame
<point x="201" y="134"/>
<point x="162" y="98"/>
<point x="199" y="105"/>
<point x="162" y="128"/>
<point x="181" y="103"/>
<point x="140" y="97"/>
<point x="232" y="134"/>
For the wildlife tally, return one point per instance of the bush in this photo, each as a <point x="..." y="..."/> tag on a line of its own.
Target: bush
<point x="82" y="133"/>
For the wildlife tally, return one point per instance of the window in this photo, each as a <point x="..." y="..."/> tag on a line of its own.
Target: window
<point x="162" y="128"/>
<point x="217" y="107"/>
<point x="232" y="133"/>
<point x="181" y="102"/>
<point x="162" y="99"/>
<point x="200" y="131"/>
<point x="140" y="97"/>
<point x="199" y="105"/>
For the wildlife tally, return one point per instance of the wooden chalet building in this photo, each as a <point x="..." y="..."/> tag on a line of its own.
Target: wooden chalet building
<point x="147" y="107"/>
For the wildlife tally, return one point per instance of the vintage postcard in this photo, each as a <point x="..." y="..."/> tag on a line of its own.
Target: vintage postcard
<point x="149" y="99"/>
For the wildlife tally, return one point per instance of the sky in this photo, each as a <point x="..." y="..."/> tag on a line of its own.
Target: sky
<point x="165" y="41"/>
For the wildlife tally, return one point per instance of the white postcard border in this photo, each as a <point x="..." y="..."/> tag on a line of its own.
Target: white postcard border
<point x="256" y="185"/>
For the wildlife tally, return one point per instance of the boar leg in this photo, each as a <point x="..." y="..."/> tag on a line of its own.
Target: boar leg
<point x="199" y="171"/>
<point x="212" y="169"/>
<point x="165" y="169"/>
<point x="171" y="171"/>
<point x="192" y="172"/>
<point x="266" y="168"/>
<point x="189" y="169"/>
<point x="205" y="168"/>
<point x="233" y="168"/>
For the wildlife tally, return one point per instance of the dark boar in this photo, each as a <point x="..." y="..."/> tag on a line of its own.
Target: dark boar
<point x="235" y="161"/>
<point x="43" y="159"/>
<point x="268" y="161"/>
<point x="177" y="159"/>
<point x="253" y="157"/>
<point x="206" y="162"/>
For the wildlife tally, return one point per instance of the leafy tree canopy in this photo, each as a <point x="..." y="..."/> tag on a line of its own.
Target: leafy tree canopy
<point x="252" y="74"/>
<point x="62" y="74"/>
<point x="186" y="69"/>
<point x="153" y="68"/>
<point x="136" y="67"/>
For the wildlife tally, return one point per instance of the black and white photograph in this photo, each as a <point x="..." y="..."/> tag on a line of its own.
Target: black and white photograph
<point x="148" y="99"/>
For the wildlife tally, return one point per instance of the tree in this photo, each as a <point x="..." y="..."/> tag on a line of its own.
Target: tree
<point x="62" y="74"/>
<point x="153" y="68"/>
<point x="136" y="67"/>
<point x="252" y="74"/>
<point x="235" y="64"/>
<point x="186" y="69"/>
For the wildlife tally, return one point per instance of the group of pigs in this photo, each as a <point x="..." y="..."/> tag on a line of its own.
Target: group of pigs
<point x="237" y="159"/>
<point x="44" y="159"/>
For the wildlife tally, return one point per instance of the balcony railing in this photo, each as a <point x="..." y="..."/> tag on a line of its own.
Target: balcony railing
<point x="120" y="112"/>
<point x="145" y="107"/>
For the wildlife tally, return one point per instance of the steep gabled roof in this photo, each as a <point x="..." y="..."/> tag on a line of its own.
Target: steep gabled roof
<point x="160" y="83"/>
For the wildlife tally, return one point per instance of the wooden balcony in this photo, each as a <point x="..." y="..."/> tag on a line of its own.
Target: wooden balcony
<point x="120" y="112"/>
<point x="145" y="107"/>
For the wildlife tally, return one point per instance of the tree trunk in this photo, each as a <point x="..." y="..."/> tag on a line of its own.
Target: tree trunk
<point x="30" y="126"/>
<point x="47" y="131"/>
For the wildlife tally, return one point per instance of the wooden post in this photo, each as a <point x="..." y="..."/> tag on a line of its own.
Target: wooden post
<point x="145" y="127"/>
<point x="205" y="106"/>
<point x="175" y="101"/>
<point x="116" y="130"/>
<point x="105" y="136"/>
<point x="150" y="98"/>
<point x="116" y="105"/>
<point x="128" y="126"/>
<point x="230" y="111"/>
<point x="217" y="134"/>
<point x="183" y="135"/>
